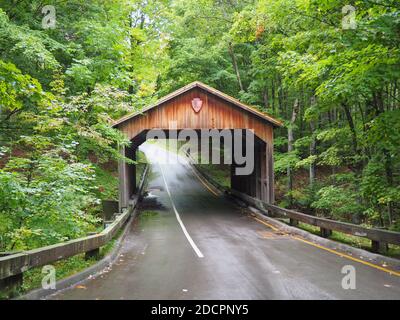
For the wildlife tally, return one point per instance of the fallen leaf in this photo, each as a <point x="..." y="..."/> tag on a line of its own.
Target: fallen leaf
<point x="80" y="287"/>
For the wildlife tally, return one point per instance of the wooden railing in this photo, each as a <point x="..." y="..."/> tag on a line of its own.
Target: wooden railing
<point x="12" y="266"/>
<point x="379" y="238"/>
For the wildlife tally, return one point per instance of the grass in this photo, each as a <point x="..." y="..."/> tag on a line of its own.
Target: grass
<point x="148" y="214"/>
<point x="108" y="189"/>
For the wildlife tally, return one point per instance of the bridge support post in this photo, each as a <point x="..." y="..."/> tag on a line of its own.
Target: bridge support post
<point x="264" y="153"/>
<point x="379" y="247"/>
<point x="243" y="183"/>
<point x="325" y="233"/>
<point x="10" y="285"/>
<point x="92" y="254"/>
<point x="127" y="177"/>
<point x="259" y="184"/>
<point x="122" y="172"/>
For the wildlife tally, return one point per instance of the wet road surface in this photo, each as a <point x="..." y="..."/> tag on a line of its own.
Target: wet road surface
<point x="189" y="243"/>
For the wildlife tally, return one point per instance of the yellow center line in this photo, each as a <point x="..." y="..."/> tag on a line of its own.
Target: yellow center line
<point x="392" y="272"/>
<point x="267" y="224"/>
<point x="349" y="257"/>
<point x="372" y="265"/>
<point x="204" y="183"/>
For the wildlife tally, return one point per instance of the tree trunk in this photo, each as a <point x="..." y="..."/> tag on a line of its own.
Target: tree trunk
<point x="235" y="66"/>
<point x="389" y="177"/>
<point x="313" y="147"/>
<point x="351" y="125"/>
<point x="266" y="98"/>
<point x="273" y="94"/>
<point x="290" y="148"/>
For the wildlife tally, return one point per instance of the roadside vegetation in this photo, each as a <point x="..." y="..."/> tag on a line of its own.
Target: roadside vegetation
<point x="32" y="279"/>
<point x="60" y="90"/>
<point x="335" y="87"/>
<point x="70" y="266"/>
<point x="331" y="77"/>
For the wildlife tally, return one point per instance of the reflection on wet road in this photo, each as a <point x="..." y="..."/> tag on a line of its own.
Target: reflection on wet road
<point x="236" y="256"/>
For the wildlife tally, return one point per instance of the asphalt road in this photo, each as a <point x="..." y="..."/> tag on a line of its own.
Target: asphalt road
<point x="189" y="243"/>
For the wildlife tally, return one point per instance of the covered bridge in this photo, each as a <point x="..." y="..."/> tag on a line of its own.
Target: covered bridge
<point x="198" y="106"/>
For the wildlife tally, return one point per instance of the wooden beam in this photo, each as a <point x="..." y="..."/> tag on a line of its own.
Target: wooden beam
<point x="123" y="198"/>
<point x="380" y="237"/>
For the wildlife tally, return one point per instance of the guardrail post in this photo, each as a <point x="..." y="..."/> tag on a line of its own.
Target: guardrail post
<point x="10" y="285"/>
<point x="92" y="254"/>
<point x="270" y="213"/>
<point x="107" y="223"/>
<point x="325" y="233"/>
<point x="293" y="222"/>
<point x="379" y="247"/>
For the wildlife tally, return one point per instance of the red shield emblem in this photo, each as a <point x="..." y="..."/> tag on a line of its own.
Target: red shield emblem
<point x="197" y="104"/>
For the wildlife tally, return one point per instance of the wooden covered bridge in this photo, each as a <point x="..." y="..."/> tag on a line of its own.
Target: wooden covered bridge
<point x="198" y="106"/>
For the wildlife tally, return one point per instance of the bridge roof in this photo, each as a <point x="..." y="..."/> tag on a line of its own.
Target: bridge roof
<point x="215" y="92"/>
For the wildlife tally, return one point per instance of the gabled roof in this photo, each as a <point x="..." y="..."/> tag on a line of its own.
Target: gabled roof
<point x="210" y="90"/>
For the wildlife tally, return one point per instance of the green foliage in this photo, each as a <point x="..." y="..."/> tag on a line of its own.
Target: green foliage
<point x="60" y="89"/>
<point x="45" y="204"/>
<point x="285" y="160"/>
<point x="339" y="201"/>
<point x="19" y="91"/>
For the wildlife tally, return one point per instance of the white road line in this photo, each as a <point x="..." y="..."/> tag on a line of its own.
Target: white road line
<point x="178" y="217"/>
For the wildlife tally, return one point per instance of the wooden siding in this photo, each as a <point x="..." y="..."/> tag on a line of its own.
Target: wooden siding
<point x="215" y="113"/>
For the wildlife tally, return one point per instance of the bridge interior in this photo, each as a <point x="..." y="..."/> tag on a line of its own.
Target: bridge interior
<point x="257" y="183"/>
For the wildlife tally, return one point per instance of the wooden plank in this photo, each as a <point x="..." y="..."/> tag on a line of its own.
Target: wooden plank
<point x="123" y="200"/>
<point x="215" y="113"/>
<point x="327" y="224"/>
<point x="18" y="263"/>
<point x="210" y="91"/>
